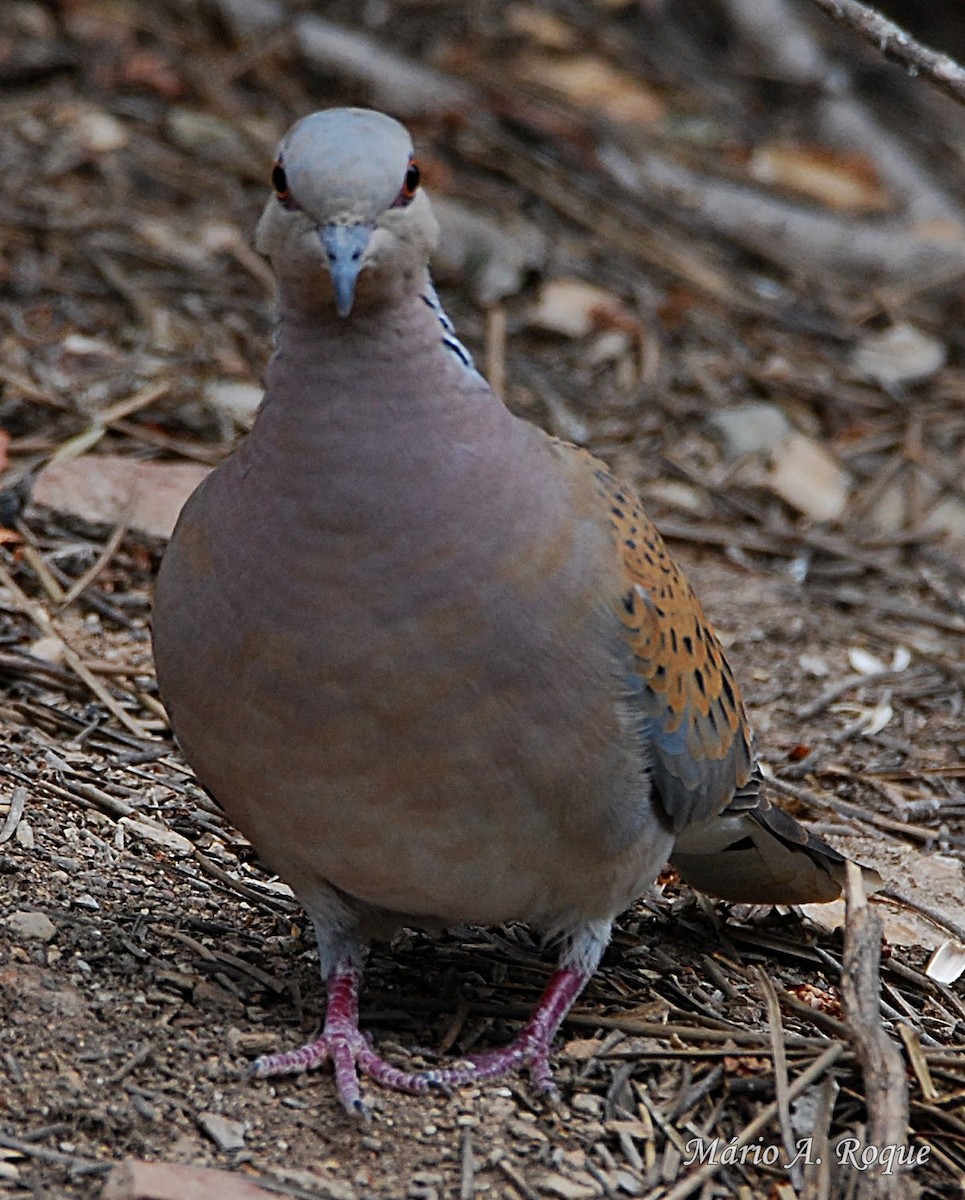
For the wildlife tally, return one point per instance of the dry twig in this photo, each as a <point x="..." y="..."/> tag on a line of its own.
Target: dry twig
<point x="886" y="1088"/>
<point x="30" y="608"/>
<point x="776" y="1026"/>
<point x="898" y="45"/>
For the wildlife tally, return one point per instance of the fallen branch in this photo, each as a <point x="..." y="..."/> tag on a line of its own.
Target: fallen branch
<point x="785" y="45"/>
<point x="797" y="237"/>
<point x="899" y="46"/>
<point x="886" y="1087"/>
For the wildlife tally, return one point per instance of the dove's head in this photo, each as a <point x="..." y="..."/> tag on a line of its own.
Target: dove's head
<point x="348" y="221"/>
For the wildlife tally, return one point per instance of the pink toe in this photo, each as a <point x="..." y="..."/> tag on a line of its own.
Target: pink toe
<point x="291" y="1062"/>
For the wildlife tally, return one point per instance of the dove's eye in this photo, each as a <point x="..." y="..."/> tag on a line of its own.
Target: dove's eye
<point x="410" y="185"/>
<point x="279" y="181"/>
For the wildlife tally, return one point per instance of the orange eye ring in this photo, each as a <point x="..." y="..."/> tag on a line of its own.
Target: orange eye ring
<point x="410" y="185"/>
<point x="279" y="181"/>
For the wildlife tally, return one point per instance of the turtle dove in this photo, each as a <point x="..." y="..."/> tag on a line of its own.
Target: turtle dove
<point x="437" y="665"/>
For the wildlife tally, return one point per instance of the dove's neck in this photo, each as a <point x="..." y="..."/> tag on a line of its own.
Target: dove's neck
<point x="397" y="360"/>
<point x="382" y="410"/>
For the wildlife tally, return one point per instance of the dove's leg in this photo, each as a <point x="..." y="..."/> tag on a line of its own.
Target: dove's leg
<point x="530" y="1049"/>
<point x="342" y="1043"/>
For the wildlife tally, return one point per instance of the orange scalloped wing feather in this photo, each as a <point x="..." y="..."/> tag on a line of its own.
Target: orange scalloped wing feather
<point x="682" y="688"/>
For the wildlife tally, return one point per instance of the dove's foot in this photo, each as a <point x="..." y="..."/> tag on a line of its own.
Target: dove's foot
<point x="530" y="1049"/>
<point x="343" y="1044"/>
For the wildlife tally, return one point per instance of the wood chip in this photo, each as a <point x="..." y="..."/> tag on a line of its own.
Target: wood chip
<point x="107" y="489"/>
<point x="136" y="1180"/>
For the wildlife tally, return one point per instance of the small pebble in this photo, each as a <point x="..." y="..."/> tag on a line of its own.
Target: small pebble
<point x="225" y="1133"/>
<point x="588" y="1103"/>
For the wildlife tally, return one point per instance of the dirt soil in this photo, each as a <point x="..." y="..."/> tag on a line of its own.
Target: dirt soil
<point x="145" y="956"/>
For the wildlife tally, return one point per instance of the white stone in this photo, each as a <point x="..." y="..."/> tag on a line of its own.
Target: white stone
<point x="806" y="476"/>
<point x="47" y="649"/>
<point x="749" y="428"/>
<point x="240" y="401"/>
<point x="901" y="354"/>
<point x="99" y="132"/>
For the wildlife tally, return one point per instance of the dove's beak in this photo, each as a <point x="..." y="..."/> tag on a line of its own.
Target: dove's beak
<point x="345" y="247"/>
